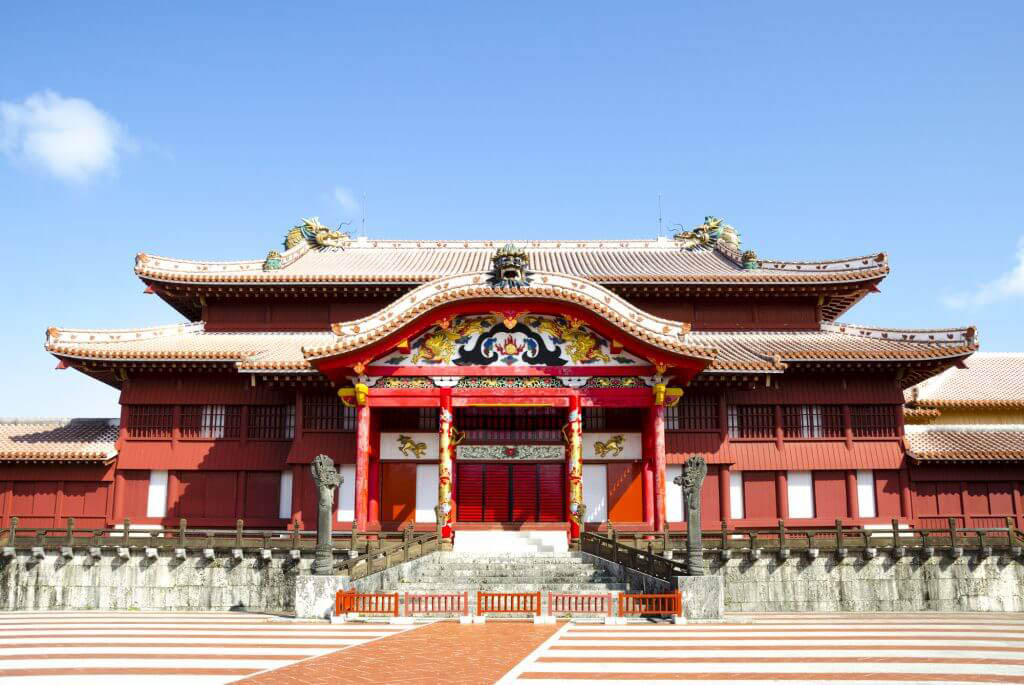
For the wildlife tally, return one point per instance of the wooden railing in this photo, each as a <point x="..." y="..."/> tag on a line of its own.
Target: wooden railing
<point x="410" y="547"/>
<point x="668" y="604"/>
<point x="508" y="603"/>
<point x="183" y="537"/>
<point x="352" y="602"/>
<point x="453" y="603"/>
<point x="836" y="538"/>
<point x="580" y="604"/>
<point x="646" y="561"/>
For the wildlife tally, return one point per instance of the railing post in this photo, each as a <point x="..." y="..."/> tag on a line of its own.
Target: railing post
<point x="71" y="531"/>
<point x="895" y="533"/>
<point x="238" y="532"/>
<point x="840" y="543"/>
<point x="782" y="535"/>
<point x="182" y="525"/>
<point x="665" y="545"/>
<point x="355" y="536"/>
<point x="725" y="533"/>
<point x="1011" y="535"/>
<point x="615" y="544"/>
<point x="295" y="533"/>
<point x="127" y="527"/>
<point x="13" y="531"/>
<point x="952" y="532"/>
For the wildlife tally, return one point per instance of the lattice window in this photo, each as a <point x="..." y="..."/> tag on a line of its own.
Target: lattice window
<point x="594" y="419"/>
<point x="427" y="419"/>
<point x="695" y="413"/>
<point x="327" y="413"/>
<point x="874" y="420"/>
<point x="511" y="424"/>
<point x="212" y="421"/>
<point x="272" y="422"/>
<point x="751" y="420"/>
<point x="150" y="420"/>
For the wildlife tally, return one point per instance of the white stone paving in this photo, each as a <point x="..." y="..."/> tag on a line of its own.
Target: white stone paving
<point x="181" y="647"/>
<point x="779" y="648"/>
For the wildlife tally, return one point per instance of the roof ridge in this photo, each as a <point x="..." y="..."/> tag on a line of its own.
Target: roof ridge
<point x="35" y="421"/>
<point x="56" y="335"/>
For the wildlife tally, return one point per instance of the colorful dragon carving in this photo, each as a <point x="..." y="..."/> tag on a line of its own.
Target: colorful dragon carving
<point x="708" y="234"/>
<point x="312" y="232"/>
<point x="440" y="346"/>
<point x="581" y="346"/>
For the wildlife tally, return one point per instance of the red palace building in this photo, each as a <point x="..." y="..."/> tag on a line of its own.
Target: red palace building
<point x="553" y="384"/>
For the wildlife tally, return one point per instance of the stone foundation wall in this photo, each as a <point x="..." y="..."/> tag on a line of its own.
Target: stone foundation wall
<point x="939" y="582"/>
<point x="165" y="582"/>
<point x="970" y="582"/>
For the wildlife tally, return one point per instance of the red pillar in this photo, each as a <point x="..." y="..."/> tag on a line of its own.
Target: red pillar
<point x="647" y="473"/>
<point x="782" y="493"/>
<point x="119" y="487"/>
<point x="374" y="488"/>
<point x="724" y="493"/>
<point x="905" y="505"/>
<point x="852" y="499"/>
<point x="362" y="465"/>
<point x="575" y="463"/>
<point x="658" y="443"/>
<point x="446" y="419"/>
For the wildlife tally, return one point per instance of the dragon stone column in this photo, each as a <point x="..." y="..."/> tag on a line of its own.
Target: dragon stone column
<point x="326" y="478"/>
<point x="692" y="480"/>
<point x="573" y="432"/>
<point x="444" y="464"/>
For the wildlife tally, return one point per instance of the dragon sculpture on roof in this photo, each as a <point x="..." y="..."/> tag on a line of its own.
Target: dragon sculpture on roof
<point x="710" y="233"/>
<point x="314" y="233"/>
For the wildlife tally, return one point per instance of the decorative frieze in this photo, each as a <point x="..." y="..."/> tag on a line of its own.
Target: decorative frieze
<point x="510" y="452"/>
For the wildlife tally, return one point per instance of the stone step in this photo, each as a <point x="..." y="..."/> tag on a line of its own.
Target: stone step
<point x="572" y="588"/>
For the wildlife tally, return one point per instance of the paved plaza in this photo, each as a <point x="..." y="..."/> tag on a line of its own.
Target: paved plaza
<point x="134" y="647"/>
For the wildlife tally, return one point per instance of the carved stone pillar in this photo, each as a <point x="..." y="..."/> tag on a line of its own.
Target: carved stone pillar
<point x="692" y="480"/>
<point x="326" y="478"/>
<point x="573" y="432"/>
<point x="445" y="510"/>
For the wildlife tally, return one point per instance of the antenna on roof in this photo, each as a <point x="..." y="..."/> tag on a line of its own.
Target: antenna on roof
<point x="363" y="224"/>
<point x="659" y="215"/>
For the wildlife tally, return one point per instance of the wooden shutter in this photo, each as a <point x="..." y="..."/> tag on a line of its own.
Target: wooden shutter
<point x="524" y="492"/>
<point x="496" y="492"/>
<point x="470" y="484"/>
<point x="551" y="490"/>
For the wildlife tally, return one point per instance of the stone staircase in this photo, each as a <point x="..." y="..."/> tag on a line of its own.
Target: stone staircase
<point x="564" y="572"/>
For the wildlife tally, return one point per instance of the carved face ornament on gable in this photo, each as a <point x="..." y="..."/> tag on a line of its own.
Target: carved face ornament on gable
<point x="510" y="268"/>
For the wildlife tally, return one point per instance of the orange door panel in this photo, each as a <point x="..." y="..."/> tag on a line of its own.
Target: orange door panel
<point x="398" y="494"/>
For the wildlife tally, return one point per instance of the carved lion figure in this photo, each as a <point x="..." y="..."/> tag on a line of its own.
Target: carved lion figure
<point x="411" y="448"/>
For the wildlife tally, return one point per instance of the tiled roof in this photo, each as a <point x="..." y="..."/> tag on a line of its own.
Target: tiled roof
<point x="978" y="442"/>
<point x="58" y="440"/>
<point x="993" y="380"/>
<point x="414" y="262"/>
<point x="736" y="351"/>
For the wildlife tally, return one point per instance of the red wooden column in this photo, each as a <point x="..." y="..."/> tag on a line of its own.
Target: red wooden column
<point x="782" y="493"/>
<point x="647" y="472"/>
<point x="374" y="489"/>
<point x="574" y="438"/>
<point x="725" y="493"/>
<point x="444" y="461"/>
<point x="658" y="444"/>
<point x="906" y="507"/>
<point x="362" y="466"/>
<point x="852" y="498"/>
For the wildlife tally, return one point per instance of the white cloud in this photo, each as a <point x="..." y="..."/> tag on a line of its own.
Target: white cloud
<point x="347" y="199"/>
<point x="1010" y="284"/>
<point x="68" y="137"/>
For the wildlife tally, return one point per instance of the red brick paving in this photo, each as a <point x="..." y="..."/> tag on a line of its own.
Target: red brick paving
<point x="440" y="652"/>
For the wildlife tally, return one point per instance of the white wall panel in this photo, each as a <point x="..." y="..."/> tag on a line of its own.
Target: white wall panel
<point x="866" y="494"/>
<point x="673" y="494"/>
<point x="736" y="510"/>
<point x="347" y="493"/>
<point x="595" y="492"/>
<point x="284" y="501"/>
<point x="426" y="493"/>
<point x="800" y="488"/>
<point x="156" y="501"/>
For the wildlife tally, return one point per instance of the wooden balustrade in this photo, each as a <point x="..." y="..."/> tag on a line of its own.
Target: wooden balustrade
<point x="508" y="603"/>
<point x="454" y="603"/>
<point x="579" y="604"/>
<point x="352" y="602"/>
<point x="667" y="604"/>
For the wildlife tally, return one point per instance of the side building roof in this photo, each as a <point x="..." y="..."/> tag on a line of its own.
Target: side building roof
<point x="987" y="380"/>
<point x="77" y="441"/>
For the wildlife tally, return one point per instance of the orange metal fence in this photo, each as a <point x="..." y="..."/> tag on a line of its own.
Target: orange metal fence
<point x="456" y="603"/>
<point x="669" y="604"/>
<point x="508" y="603"/>
<point x="580" y="604"/>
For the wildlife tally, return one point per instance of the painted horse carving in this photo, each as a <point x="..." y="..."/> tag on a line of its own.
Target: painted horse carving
<point x="612" y="447"/>
<point x="411" y="448"/>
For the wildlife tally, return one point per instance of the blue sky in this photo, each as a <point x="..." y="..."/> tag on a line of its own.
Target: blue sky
<point x="817" y="130"/>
